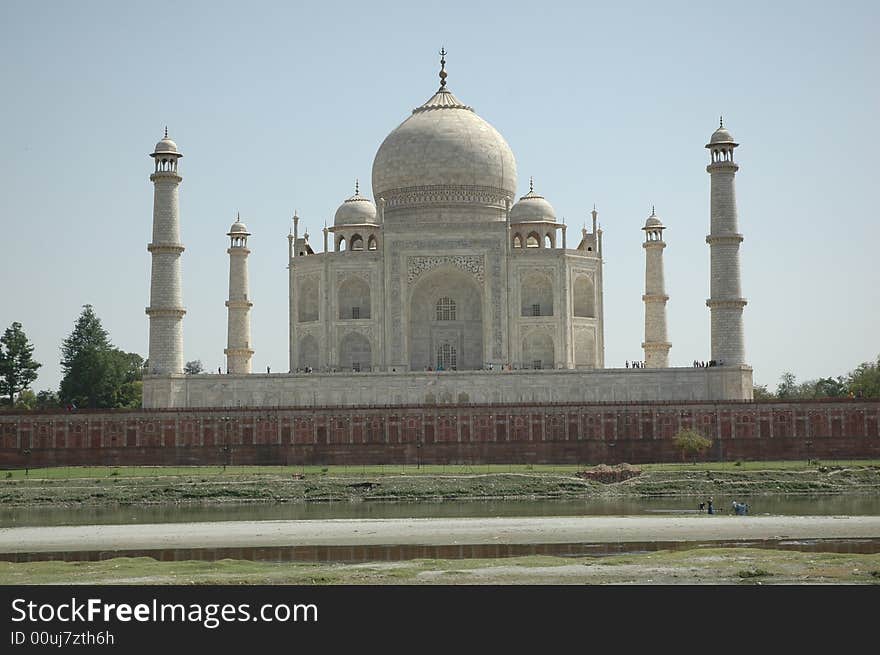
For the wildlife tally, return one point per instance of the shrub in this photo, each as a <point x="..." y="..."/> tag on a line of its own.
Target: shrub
<point x="691" y="442"/>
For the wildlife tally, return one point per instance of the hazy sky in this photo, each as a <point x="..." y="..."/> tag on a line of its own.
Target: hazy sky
<point x="280" y="106"/>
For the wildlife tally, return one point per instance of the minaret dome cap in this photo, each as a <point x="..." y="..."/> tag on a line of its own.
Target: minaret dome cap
<point x="238" y="228"/>
<point x="653" y="221"/>
<point x="166" y="147"/>
<point x="721" y="137"/>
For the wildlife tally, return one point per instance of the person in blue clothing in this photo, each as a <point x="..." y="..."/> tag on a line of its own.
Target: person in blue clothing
<point x="709" y="507"/>
<point x="741" y="509"/>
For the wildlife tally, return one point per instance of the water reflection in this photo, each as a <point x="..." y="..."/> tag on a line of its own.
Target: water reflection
<point x="391" y="553"/>
<point x="849" y="505"/>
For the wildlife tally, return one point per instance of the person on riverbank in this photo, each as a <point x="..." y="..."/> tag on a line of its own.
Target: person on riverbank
<point x="709" y="508"/>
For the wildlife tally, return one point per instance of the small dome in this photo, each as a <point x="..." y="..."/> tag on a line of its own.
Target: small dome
<point x="238" y="227"/>
<point x="721" y="135"/>
<point x="653" y="221"/>
<point x="357" y="210"/>
<point x="532" y="207"/>
<point x="166" y="146"/>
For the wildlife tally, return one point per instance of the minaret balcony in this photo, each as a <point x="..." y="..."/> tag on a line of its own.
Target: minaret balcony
<point x="726" y="303"/>
<point x="722" y="167"/>
<point x="174" y="248"/>
<point x="732" y="238"/>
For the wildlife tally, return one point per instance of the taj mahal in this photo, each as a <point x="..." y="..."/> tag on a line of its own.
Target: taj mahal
<point x="448" y="286"/>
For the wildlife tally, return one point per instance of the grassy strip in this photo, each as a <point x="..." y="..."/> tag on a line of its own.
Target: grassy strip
<point x="243" y="485"/>
<point x="697" y="566"/>
<point x="72" y="472"/>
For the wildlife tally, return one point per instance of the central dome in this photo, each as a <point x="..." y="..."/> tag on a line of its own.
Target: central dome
<point x="444" y="154"/>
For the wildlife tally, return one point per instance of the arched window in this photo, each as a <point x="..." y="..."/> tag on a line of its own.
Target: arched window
<point x="538" y="351"/>
<point x="584" y="297"/>
<point x="585" y="349"/>
<point x="517" y="241"/>
<point x="372" y="244"/>
<point x="340" y="244"/>
<point x="533" y="240"/>
<point x="447" y="357"/>
<point x="446" y="309"/>
<point x="355" y="353"/>
<point x="353" y="298"/>
<point x="357" y="242"/>
<point x="536" y="293"/>
<point x="308" y="301"/>
<point x="548" y="241"/>
<point x="308" y="352"/>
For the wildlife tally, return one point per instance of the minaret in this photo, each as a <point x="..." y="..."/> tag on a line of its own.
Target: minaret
<point x="725" y="302"/>
<point x="656" y="345"/>
<point x="166" y="305"/>
<point x="238" y="340"/>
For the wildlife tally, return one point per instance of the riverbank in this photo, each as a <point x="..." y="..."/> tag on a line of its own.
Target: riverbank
<point x="709" y="566"/>
<point x="109" y="486"/>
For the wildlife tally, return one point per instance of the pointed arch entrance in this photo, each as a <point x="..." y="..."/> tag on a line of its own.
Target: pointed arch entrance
<point x="446" y="321"/>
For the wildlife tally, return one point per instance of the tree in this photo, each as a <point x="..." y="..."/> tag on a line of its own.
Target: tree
<point x="17" y="365"/>
<point x="760" y="392"/>
<point x="830" y="388"/>
<point x="47" y="400"/>
<point x="26" y="399"/>
<point x="194" y="367"/>
<point x="95" y="373"/>
<point x="691" y="442"/>
<point x="787" y="387"/>
<point x="864" y="382"/>
<point x="126" y="373"/>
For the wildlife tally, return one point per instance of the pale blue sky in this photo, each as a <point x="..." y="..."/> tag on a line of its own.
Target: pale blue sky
<point x="280" y="106"/>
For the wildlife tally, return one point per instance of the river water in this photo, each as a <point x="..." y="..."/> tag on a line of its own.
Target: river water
<point x="791" y="505"/>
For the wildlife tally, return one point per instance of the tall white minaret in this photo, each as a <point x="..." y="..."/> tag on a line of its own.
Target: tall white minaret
<point x="656" y="344"/>
<point x="725" y="302"/>
<point x="238" y="349"/>
<point x="166" y="305"/>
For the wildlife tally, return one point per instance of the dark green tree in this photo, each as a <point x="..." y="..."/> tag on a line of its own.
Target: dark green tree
<point x="126" y="371"/>
<point x="787" y="387"/>
<point x="95" y="373"/>
<point x="47" y="400"/>
<point x="17" y="365"/>
<point x="830" y="388"/>
<point x="194" y="367"/>
<point x="864" y="382"/>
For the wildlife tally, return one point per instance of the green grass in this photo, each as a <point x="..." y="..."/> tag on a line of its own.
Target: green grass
<point x="80" y="486"/>
<point x="72" y="472"/>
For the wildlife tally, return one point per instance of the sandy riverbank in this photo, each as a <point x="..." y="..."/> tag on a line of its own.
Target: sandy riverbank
<point x="434" y="532"/>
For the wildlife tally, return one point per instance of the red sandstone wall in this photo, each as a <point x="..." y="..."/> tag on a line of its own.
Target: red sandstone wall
<point x="558" y="433"/>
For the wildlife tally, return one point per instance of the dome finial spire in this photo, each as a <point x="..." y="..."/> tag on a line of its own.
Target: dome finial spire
<point x="721" y="121"/>
<point x="166" y="131"/>
<point x="357" y="187"/>
<point x="652" y="210"/>
<point x="443" y="68"/>
<point x="531" y="184"/>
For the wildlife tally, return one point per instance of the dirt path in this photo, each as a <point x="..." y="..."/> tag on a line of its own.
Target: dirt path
<point x="350" y="532"/>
